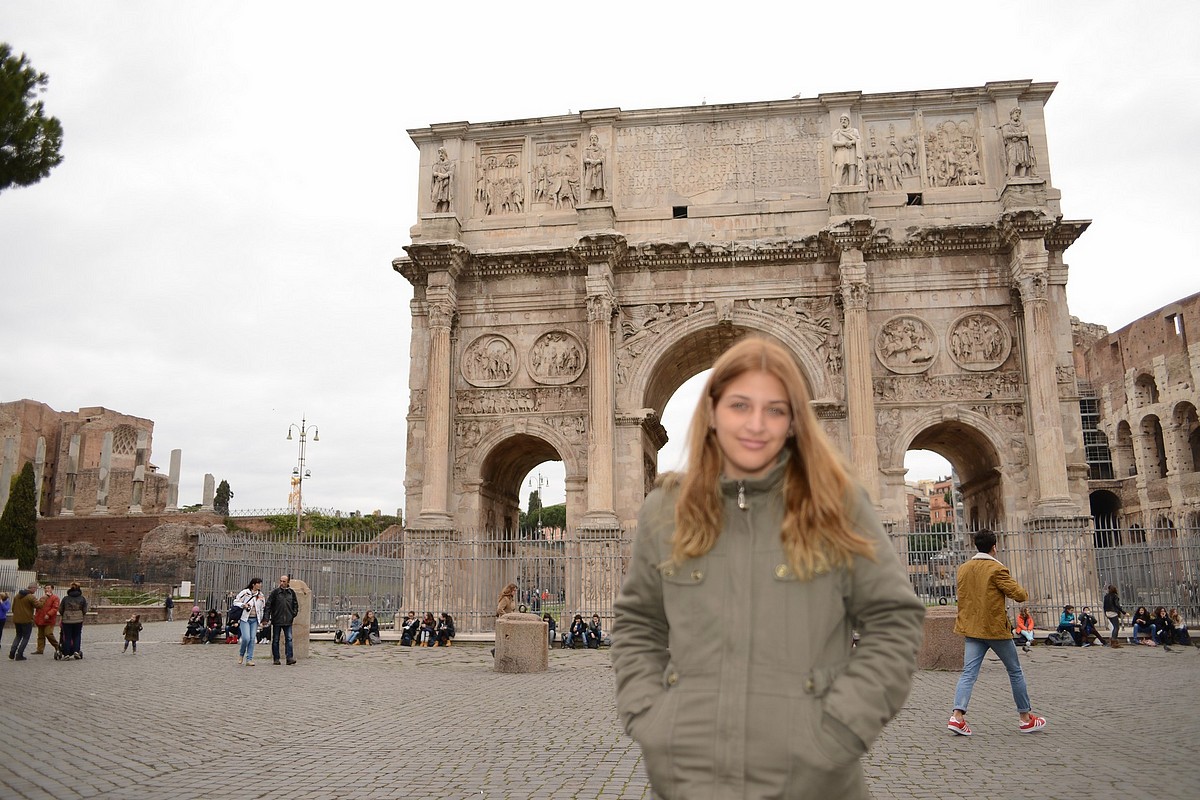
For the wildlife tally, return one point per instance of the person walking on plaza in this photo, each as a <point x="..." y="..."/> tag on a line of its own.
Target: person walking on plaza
<point x="5" y="607"/>
<point x="133" y="629"/>
<point x="252" y="603"/>
<point x="751" y="570"/>
<point x="169" y="605"/>
<point x="983" y="583"/>
<point x="1113" y="613"/>
<point x="45" y="619"/>
<point x="282" y="608"/>
<point x="24" y="606"/>
<point x="73" y="611"/>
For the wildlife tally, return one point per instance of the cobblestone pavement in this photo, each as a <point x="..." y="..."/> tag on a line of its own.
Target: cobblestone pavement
<point x="390" y="722"/>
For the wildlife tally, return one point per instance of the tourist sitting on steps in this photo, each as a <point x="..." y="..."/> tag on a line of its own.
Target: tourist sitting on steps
<point x="1142" y="626"/>
<point x="427" y="635"/>
<point x="445" y="629"/>
<point x="1088" y="629"/>
<point x="595" y="636"/>
<point x="576" y="635"/>
<point x="368" y="633"/>
<point x="409" y="629"/>
<point x="351" y="636"/>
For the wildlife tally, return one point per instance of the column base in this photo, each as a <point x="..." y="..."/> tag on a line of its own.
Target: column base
<point x="433" y="521"/>
<point x="100" y="511"/>
<point x="1056" y="508"/>
<point x="594" y="522"/>
<point x="135" y="510"/>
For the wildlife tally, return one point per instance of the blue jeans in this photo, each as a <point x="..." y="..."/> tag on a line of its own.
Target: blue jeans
<point x="973" y="652"/>
<point x="1139" y="629"/>
<point x="247" y="628"/>
<point x="286" y="630"/>
<point x="24" y="631"/>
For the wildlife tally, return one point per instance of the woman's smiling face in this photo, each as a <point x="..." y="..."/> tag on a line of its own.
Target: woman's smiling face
<point x="752" y="420"/>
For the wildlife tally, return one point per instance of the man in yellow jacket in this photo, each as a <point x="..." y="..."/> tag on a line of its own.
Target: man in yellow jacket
<point x="983" y="583"/>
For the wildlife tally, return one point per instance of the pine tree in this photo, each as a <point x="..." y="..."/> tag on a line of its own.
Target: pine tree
<point x="222" y="498"/>
<point x="18" y="523"/>
<point x="30" y="142"/>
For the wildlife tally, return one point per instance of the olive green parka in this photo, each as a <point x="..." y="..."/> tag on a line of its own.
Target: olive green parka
<point x="737" y="679"/>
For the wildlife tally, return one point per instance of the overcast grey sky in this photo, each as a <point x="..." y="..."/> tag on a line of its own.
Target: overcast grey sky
<point x="214" y="252"/>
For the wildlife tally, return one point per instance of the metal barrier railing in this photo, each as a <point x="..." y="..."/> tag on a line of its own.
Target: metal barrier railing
<point x="463" y="574"/>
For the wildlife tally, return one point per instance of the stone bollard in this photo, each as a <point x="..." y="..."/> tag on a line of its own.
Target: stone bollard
<point x="342" y="623"/>
<point x="942" y="648"/>
<point x="302" y="625"/>
<point x="522" y="644"/>
<point x="398" y="621"/>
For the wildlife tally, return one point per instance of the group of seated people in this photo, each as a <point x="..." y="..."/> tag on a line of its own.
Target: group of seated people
<point x="1082" y="628"/>
<point x="1163" y="627"/>
<point x="212" y="627"/>
<point x="364" y="630"/>
<point x="581" y="634"/>
<point x="427" y="631"/>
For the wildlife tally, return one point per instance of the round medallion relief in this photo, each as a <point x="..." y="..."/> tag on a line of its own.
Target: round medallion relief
<point x="490" y="360"/>
<point x="906" y="345"/>
<point x="556" y="358"/>
<point x="978" y="341"/>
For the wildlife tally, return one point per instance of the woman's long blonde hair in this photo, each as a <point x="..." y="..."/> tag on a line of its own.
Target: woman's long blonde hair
<point x="817" y="534"/>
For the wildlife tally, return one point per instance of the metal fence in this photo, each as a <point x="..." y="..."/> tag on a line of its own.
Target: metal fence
<point x="1150" y="567"/>
<point x="459" y="574"/>
<point x="463" y="574"/>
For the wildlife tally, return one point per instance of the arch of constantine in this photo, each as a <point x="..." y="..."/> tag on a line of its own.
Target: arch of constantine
<point x="571" y="272"/>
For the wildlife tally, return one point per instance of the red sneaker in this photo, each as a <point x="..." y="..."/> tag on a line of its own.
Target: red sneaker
<point x="1033" y="724"/>
<point x="959" y="726"/>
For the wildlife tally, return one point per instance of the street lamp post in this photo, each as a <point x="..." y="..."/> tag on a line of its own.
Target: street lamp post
<point x="300" y="473"/>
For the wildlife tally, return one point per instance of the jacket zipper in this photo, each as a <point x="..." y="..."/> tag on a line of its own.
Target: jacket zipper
<point x="742" y="495"/>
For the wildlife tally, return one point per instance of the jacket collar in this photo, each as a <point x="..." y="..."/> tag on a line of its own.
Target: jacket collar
<point x="985" y="555"/>
<point x="767" y="483"/>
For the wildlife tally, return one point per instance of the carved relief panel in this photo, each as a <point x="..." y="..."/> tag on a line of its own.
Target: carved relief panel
<point x="556" y="358"/>
<point x="892" y="155"/>
<point x="978" y="342"/>
<point x="499" y="179"/>
<point x="490" y="360"/>
<point x="953" y="156"/>
<point x="906" y="344"/>
<point x="556" y="174"/>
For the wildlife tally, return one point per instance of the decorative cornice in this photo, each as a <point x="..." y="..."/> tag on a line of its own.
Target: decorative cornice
<point x="1065" y="234"/>
<point x="451" y="257"/>
<point x="607" y="249"/>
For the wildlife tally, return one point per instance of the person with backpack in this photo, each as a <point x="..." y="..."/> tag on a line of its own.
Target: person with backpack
<point x="133" y="629"/>
<point x="74" y="611"/>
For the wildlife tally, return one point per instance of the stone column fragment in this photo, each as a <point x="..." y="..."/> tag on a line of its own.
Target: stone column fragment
<point x="173" y="483"/>
<point x="68" y="506"/>
<point x="210" y="492"/>
<point x="105" y="468"/>
<point x="39" y="472"/>
<point x="139" y="473"/>
<point x="8" y="468"/>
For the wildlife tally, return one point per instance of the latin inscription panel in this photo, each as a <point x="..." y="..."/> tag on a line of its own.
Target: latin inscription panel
<point x="783" y="154"/>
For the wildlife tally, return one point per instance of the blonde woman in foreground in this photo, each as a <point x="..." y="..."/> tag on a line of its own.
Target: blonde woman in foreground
<point x="750" y="571"/>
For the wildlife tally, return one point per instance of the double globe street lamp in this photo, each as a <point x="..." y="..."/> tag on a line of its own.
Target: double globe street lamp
<point x="300" y="473"/>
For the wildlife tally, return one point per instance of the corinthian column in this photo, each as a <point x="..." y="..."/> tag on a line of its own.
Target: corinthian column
<point x="434" y="493"/>
<point x="1030" y="274"/>
<point x="856" y="339"/>
<point x="600" y="306"/>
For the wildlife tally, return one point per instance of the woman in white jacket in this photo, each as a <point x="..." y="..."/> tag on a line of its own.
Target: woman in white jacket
<point x="252" y="602"/>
